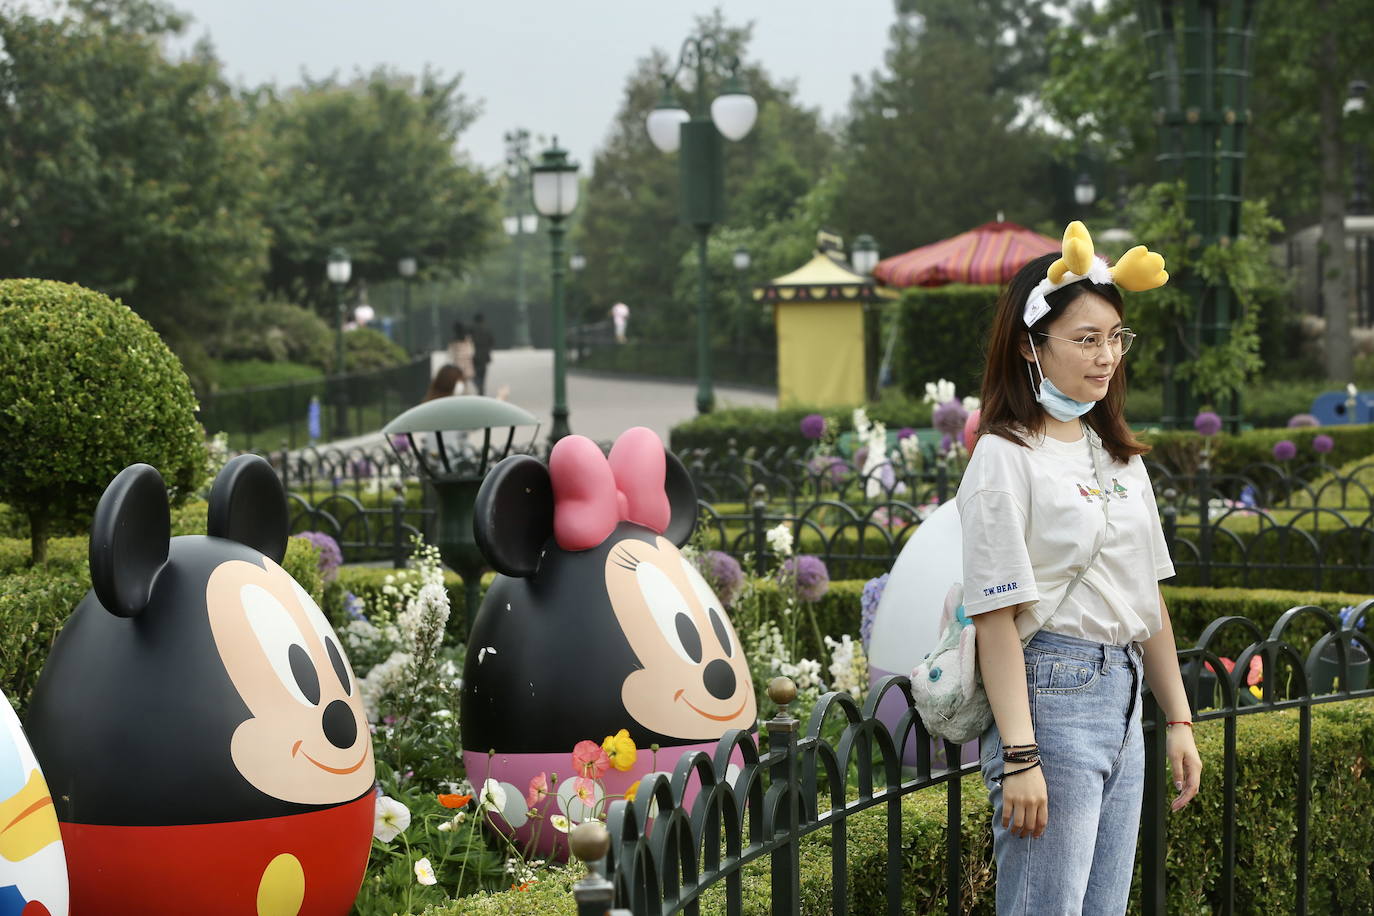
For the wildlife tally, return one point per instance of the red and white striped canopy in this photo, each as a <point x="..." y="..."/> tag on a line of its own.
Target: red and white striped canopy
<point x="989" y="254"/>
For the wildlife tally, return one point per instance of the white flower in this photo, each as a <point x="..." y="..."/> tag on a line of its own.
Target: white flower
<point x="391" y="819"/>
<point x="971" y="403"/>
<point x="493" y="797"/>
<point x="424" y="872"/>
<point x="848" y="666"/>
<point x="939" y="392"/>
<point x="559" y="823"/>
<point x="1351" y="390"/>
<point x="446" y="826"/>
<point x="860" y="420"/>
<point x="780" y="540"/>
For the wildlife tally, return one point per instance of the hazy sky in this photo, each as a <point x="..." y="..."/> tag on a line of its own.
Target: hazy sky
<point x="551" y="66"/>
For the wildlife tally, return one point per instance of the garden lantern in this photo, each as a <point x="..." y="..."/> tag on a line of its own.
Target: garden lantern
<point x="863" y="257"/>
<point x="1085" y="190"/>
<point x="437" y="434"/>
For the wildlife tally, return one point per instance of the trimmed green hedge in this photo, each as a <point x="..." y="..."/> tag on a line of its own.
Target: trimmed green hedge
<point x="760" y="428"/>
<point x="367" y="582"/>
<point x="1341" y="837"/>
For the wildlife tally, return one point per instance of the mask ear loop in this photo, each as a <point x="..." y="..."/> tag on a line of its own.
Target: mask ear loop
<point x="1030" y="336"/>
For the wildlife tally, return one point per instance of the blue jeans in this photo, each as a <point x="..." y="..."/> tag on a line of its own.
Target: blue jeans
<point x="1085" y="707"/>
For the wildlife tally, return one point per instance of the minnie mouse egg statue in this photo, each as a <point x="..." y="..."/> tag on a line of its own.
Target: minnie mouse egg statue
<point x="198" y="722"/>
<point x="596" y="624"/>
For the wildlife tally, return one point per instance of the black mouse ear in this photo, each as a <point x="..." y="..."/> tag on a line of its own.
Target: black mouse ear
<point x="248" y="505"/>
<point x="682" y="500"/>
<point x="130" y="535"/>
<point x="513" y="516"/>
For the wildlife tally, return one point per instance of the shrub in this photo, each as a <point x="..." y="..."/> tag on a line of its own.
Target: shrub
<point x="941" y="332"/>
<point x="88" y="389"/>
<point x="760" y="428"/>
<point x="275" y="332"/>
<point x="366" y="349"/>
<point x="369" y="582"/>
<point x="254" y="373"/>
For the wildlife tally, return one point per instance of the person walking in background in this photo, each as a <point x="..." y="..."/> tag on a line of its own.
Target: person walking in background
<point x="482" y="345"/>
<point x="620" y="316"/>
<point x="461" y="351"/>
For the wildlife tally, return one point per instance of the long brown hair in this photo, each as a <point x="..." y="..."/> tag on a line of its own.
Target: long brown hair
<point x="443" y="383"/>
<point x="1009" y="403"/>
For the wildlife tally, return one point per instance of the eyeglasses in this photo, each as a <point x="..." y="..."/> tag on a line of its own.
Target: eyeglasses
<point x="1120" y="342"/>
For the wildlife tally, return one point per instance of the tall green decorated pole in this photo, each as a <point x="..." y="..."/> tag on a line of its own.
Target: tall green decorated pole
<point x="1200" y="70"/>
<point x="731" y="114"/>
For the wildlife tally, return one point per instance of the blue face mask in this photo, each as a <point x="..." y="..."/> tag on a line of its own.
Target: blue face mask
<point x="1056" y="403"/>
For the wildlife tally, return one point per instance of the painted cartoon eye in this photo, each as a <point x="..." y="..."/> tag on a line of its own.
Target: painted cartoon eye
<point x="665" y="604"/>
<point x="282" y="642"/>
<point x="711" y="605"/>
<point x="326" y="634"/>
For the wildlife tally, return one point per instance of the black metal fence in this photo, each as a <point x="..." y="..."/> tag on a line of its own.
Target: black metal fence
<point x="292" y="415"/>
<point x="664" y="855"/>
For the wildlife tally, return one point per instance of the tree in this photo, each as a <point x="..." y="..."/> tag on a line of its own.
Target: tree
<point x="371" y="166"/>
<point x="124" y="170"/>
<point x="629" y="229"/>
<point x="88" y="389"/>
<point x="1306" y="52"/>
<point x="936" y="141"/>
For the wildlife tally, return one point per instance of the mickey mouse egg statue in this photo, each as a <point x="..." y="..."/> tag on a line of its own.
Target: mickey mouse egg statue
<point x="596" y="624"/>
<point x="198" y="722"/>
<point x="33" y="869"/>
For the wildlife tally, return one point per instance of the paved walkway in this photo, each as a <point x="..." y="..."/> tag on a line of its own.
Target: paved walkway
<point x="600" y="407"/>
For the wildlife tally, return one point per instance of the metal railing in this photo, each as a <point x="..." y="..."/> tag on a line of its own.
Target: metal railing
<point x="279" y="416"/>
<point x="663" y="855"/>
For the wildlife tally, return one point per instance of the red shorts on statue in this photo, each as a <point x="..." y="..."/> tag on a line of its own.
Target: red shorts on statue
<point x="300" y="865"/>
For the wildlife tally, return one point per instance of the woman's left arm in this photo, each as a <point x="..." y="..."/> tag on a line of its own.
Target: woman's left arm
<point x="1166" y="683"/>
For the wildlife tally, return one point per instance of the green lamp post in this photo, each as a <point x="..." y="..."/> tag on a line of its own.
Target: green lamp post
<point x="407" y="268"/>
<point x="437" y="433"/>
<point x="555" y="190"/>
<point x="339" y="269"/>
<point x="670" y="127"/>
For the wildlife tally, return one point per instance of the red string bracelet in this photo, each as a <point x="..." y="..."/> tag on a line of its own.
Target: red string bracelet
<point x="1182" y="722"/>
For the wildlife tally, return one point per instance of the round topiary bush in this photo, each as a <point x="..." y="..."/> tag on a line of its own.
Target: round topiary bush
<point x="88" y="389"/>
<point x="366" y="349"/>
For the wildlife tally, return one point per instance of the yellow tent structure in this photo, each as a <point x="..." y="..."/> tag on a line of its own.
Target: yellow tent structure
<point x="827" y="338"/>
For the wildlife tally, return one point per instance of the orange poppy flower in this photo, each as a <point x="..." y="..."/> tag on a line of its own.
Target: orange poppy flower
<point x="454" y="801"/>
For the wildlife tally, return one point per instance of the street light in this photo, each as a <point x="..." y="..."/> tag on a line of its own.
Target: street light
<point x="1354" y="105"/>
<point x="554" y="189"/>
<point x="339" y="269"/>
<point x="741" y="259"/>
<point x="1085" y="191"/>
<point x="407" y="267"/>
<point x="518" y="224"/>
<point x="863" y="257"/>
<point x="698" y="134"/>
<point x="577" y="261"/>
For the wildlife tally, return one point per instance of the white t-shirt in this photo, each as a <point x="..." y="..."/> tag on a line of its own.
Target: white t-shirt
<point x="1031" y="518"/>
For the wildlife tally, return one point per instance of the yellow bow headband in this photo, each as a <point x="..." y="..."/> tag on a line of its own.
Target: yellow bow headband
<point x="1138" y="270"/>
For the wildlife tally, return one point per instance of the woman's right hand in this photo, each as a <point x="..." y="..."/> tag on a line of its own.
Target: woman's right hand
<point x="1025" y="802"/>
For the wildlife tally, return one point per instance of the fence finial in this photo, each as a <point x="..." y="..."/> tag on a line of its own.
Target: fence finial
<point x="589" y="842"/>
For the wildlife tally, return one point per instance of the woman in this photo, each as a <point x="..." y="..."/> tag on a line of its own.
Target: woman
<point x="449" y="380"/>
<point x="462" y="351"/>
<point x="1063" y="551"/>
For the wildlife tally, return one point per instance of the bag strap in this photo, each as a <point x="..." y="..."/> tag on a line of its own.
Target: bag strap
<point x="1093" y="450"/>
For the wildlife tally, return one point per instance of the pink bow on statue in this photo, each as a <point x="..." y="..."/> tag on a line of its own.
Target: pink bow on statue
<point x="593" y="493"/>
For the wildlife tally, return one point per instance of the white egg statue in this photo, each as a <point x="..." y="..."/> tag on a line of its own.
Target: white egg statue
<point x="33" y="866"/>
<point x="906" y="624"/>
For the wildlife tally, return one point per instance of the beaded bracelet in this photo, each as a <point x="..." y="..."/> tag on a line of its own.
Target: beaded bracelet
<point x="1020" y="756"/>
<point x="1181" y="722"/>
<point x="998" y="779"/>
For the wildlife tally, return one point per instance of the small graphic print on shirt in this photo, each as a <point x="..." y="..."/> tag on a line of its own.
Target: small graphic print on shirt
<point x="1089" y="492"/>
<point x="999" y="589"/>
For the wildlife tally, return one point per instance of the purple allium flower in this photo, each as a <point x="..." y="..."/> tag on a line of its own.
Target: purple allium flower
<point x="949" y="418"/>
<point x="860" y="456"/>
<point x="331" y="558"/>
<point x="1302" y="419"/>
<point x="1321" y="444"/>
<point x="828" y="464"/>
<point x="813" y="426"/>
<point x="868" y="602"/>
<point x="1207" y="423"/>
<point x="946" y="443"/>
<point x="353" y="606"/>
<point x="1284" y="450"/>
<point x="400" y="442"/>
<point x="906" y="432"/>
<point x="810" y="574"/>
<point x="723" y="573"/>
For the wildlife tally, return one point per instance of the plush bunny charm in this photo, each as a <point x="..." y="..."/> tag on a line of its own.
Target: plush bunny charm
<point x="949" y="694"/>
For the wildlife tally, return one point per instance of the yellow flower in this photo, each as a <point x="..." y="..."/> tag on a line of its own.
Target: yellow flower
<point x="1256" y="691"/>
<point x="630" y="792"/>
<point x="620" y="750"/>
